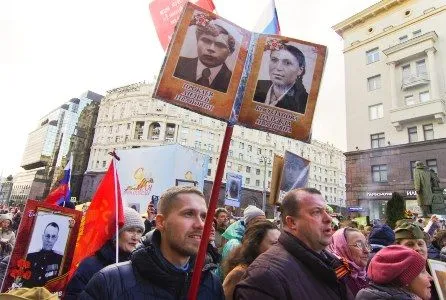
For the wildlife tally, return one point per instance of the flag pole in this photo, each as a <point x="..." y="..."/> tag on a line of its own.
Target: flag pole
<point x="199" y="261"/>
<point x="115" y="178"/>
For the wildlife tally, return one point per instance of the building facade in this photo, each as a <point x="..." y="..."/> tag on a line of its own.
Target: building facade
<point x="130" y="118"/>
<point x="395" y="56"/>
<point x="46" y="151"/>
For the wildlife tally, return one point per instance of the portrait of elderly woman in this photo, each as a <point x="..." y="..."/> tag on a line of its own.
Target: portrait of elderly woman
<point x="286" y="69"/>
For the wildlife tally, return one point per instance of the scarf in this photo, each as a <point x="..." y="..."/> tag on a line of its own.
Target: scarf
<point x="340" y="248"/>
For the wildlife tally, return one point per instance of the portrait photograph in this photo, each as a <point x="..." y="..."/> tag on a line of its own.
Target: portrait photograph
<point x="285" y="76"/>
<point x="295" y="172"/>
<point x="204" y="63"/>
<point x="438" y="271"/>
<point x="233" y="189"/>
<point x="209" y="52"/>
<point x="45" y="245"/>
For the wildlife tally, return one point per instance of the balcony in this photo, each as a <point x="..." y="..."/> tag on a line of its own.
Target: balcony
<point x="414" y="81"/>
<point x="435" y="109"/>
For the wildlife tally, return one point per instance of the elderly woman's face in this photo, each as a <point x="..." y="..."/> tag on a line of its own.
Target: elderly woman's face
<point x="359" y="248"/>
<point x="283" y="68"/>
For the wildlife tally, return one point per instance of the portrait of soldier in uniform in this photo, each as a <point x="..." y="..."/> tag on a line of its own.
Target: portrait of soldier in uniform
<point x="46" y="263"/>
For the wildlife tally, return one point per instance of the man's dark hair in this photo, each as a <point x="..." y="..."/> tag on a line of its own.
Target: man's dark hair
<point x="52" y="224"/>
<point x="216" y="30"/>
<point x="290" y="203"/>
<point x="299" y="56"/>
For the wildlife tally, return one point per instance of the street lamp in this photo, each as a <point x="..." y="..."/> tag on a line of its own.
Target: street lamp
<point x="265" y="160"/>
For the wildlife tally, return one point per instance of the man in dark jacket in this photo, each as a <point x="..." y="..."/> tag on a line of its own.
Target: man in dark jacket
<point x="298" y="267"/>
<point x="162" y="269"/>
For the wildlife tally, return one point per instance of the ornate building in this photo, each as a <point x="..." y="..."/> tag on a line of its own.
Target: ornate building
<point x="130" y="118"/>
<point x="395" y="55"/>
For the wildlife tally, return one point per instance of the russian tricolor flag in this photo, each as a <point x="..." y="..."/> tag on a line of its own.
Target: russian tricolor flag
<point x="268" y="22"/>
<point x="62" y="193"/>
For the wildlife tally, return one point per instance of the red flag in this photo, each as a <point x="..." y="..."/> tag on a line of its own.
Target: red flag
<point x="99" y="223"/>
<point x="165" y="14"/>
<point x="55" y="195"/>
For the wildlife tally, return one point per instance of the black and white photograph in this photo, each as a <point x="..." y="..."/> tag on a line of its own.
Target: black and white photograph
<point x="47" y="247"/>
<point x="294" y="173"/>
<point x="233" y="188"/>
<point x="286" y="75"/>
<point x="209" y="52"/>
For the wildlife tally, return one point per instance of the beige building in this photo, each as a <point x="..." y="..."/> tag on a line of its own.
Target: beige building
<point x="130" y="118"/>
<point x="395" y="59"/>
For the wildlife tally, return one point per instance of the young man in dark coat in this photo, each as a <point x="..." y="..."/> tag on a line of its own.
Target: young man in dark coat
<point x="298" y="267"/>
<point x="162" y="269"/>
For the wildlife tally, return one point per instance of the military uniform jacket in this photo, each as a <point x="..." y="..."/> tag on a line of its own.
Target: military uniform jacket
<point x="45" y="265"/>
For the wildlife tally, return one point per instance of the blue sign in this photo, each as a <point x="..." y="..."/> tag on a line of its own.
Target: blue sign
<point x="355" y="209"/>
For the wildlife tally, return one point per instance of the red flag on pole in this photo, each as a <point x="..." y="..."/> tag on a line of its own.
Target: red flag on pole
<point x="99" y="223"/>
<point x="165" y="14"/>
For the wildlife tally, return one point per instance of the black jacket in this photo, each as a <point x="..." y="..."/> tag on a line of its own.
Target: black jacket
<point x="90" y="266"/>
<point x="295" y="100"/>
<point x="187" y="69"/>
<point x="45" y="265"/>
<point x="148" y="275"/>
<point x="290" y="270"/>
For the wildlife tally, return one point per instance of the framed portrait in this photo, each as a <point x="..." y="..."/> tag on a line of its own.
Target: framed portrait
<point x="233" y="189"/>
<point x="180" y="182"/>
<point x="203" y="64"/>
<point x="438" y="271"/>
<point x="45" y="244"/>
<point x="283" y="85"/>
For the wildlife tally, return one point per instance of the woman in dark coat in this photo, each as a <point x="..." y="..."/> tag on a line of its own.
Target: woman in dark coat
<point x="129" y="236"/>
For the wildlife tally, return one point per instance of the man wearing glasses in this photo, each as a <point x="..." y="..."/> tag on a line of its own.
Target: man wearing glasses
<point x="46" y="263"/>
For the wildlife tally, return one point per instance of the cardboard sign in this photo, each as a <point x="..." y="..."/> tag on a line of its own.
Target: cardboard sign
<point x="221" y="70"/>
<point x="438" y="271"/>
<point x="44" y="247"/>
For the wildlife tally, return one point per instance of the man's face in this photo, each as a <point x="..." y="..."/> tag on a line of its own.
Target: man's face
<point x="222" y="219"/>
<point x="49" y="237"/>
<point x="182" y="228"/>
<point x="312" y="225"/>
<point x="213" y="50"/>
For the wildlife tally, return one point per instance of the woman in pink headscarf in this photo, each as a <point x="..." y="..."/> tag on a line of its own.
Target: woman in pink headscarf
<point x="350" y="245"/>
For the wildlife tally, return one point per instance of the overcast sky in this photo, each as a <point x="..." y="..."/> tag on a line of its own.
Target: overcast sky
<point x="53" y="50"/>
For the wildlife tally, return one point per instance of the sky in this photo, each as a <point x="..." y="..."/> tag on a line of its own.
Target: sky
<point x="52" y="51"/>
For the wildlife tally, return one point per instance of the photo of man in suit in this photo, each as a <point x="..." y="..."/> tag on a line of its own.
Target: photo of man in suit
<point x="214" y="45"/>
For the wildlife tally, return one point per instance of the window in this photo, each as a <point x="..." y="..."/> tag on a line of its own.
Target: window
<point x="248" y="169"/>
<point x="104" y="163"/>
<point x="421" y="67"/>
<point x="376" y="111"/>
<point x="231" y="153"/>
<point x="379" y="173"/>
<point x="239" y="168"/>
<point x="424" y="96"/>
<point x="128" y="126"/>
<point x="229" y="164"/>
<point x="209" y="172"/>
<point x="249" y="148"/>
<point x="372" y="55"/>
<point x="432" y="165"/>
<point x="374" y="82"/>
<point x="406" y="72"/>
<point x="409" y="100"/>
<point x="403" y="38"/>
<point x="248" y="180"/>
<point x="269" y="173"/>
<point x="428" y="131"/>
<point x="240" y="155"/>
<point x="242" y="145"/>
<point x="257" y="171"/>
<point x="197" y="145"/>
<point x="413" y="136"/>
<point x="210" y="160"/>
<point x="259" y="151"/>
<point x="257" y="182"/>
<point x="377" y="140"/>
<point x="416" y="33"/>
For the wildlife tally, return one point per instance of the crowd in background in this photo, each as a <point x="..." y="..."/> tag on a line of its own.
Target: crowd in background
<point x="307" y="254"/>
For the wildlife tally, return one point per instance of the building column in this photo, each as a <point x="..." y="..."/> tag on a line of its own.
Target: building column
<point x="392" y="76"/>
<point x="435" y="94"/>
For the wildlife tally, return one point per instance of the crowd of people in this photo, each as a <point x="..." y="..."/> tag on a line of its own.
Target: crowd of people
<point x="307" y="255"/>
